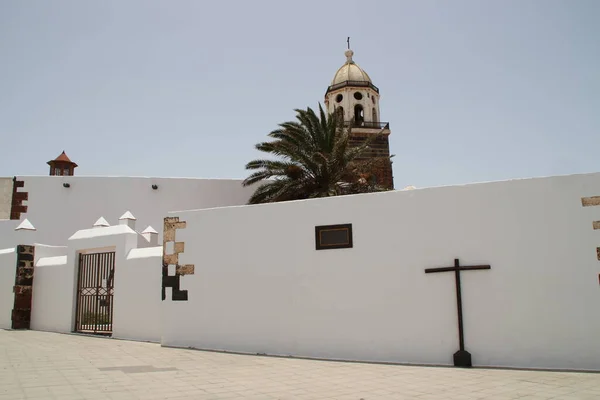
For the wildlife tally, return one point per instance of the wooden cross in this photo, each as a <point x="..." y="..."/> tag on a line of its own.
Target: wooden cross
<point x="462" y="358"/>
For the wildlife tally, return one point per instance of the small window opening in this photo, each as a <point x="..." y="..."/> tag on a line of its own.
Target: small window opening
<point x="359" y="115"/>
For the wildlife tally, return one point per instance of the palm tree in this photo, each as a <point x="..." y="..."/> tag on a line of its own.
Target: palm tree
<point x="315" y="160"/>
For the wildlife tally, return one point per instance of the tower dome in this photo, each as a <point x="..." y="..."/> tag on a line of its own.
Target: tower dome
<point x="350" y="72"/>
<point x="353" y="93"/>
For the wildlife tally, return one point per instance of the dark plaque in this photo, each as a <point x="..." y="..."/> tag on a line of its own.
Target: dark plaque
<point x="333" y="236"/>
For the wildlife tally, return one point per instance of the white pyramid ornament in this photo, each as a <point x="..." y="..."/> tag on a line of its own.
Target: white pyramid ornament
<point x="127" y="215"/>
<point x="127" y="219"/>
<point x="149" y="229"/>
<point x="150" y="235"/>
<point x="101" y="223"/>
<point x="25" y="225"/>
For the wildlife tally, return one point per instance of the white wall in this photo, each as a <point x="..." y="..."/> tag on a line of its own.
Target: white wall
<point x="55" y="279"/>
<point x="57" y="212"/>
<point x="261" y="287"/>
<point x="137" y="282"/>
<point x="137" y="301"/>
<point x="52" y="290"/>
<point x="8" y="268"/>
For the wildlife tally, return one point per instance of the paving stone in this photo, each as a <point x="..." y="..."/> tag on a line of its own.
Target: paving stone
<point x="41" y="365"/>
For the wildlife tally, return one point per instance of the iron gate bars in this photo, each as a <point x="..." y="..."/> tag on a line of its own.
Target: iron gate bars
<point x="95" y="293"/>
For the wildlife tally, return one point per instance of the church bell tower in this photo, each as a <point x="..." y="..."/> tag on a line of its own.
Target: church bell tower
<point x="353" y="93"/>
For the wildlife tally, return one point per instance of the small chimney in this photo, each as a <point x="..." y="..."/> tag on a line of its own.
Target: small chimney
<point x="101" y="223"/>
<point x="151" y="236"/>
<point x="127" y="219"/>
<point x="62" y="165"/>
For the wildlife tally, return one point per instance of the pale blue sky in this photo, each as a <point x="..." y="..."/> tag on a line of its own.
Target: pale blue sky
<point x="474" y="90"/>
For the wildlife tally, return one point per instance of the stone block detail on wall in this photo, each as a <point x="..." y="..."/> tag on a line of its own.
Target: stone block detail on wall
<point x="171" y="224"/>
<point x="17" y="207"/>
<point x="590" y="202"/>
<point x="6" y="194"/>
<point x="21" y="313"/>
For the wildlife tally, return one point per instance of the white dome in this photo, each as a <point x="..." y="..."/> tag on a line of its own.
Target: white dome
<point x="350" y="71"/>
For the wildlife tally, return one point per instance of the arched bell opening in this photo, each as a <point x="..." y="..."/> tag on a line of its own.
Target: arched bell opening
<point x="359" y="114"/>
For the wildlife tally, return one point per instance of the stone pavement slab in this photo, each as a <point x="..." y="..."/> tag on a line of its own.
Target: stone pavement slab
<point x="40" y="365"/>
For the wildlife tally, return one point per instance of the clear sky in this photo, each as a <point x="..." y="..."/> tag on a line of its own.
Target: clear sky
<point x="473" y="90"/>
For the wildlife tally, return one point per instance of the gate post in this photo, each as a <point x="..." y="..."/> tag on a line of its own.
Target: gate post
<point x="21" y="313"/>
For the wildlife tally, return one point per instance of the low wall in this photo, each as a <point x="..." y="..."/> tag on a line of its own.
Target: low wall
<point x="260" y="285"/>
<point x="8" y="267"/>
<point x="137" y="296"/>
<point x="51" y="295"/>
<point x="137" y="283"/>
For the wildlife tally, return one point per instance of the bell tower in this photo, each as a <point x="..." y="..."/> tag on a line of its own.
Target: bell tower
<point x="353" y="92"/>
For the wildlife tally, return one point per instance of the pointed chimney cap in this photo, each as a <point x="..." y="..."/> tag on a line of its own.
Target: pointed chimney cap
<point x="101" y="222"/>
<point x="26" y="226"/>
<point x="149" y="229"/>
<point x="127" y="215"/>
<point x="62" y="158"/>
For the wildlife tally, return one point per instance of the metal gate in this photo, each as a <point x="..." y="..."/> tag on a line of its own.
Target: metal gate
<point x="95" y="293"/>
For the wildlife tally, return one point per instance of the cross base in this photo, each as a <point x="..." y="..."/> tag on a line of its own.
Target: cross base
<point x="462" y="358"/>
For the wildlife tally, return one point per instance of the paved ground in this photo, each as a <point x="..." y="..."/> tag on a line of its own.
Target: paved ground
<point x="37" y="365"/>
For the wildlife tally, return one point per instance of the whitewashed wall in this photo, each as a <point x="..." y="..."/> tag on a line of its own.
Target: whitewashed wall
<point x="137" y="283"/>
<point x="52" y="311"/>
<point x="57" y="211"/>
<point x="8" y="267"/>
<point x="261" y="287"/>
<point x="52" y="289"/>
<point x="137" y="302"/>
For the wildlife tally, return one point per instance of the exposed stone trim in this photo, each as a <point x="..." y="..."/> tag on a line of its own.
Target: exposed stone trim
<point x="590" y="201"/>
<point x="187" y="269"/>
<point x="17" y="208"/>
<point x="21" y="313"/>
<point x="171" y="224"/>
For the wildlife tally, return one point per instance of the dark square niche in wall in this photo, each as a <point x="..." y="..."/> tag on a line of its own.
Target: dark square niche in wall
<point x="333" y="236"/>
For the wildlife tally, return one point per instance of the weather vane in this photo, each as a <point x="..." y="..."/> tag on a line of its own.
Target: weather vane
<point x="348" y="42"/>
